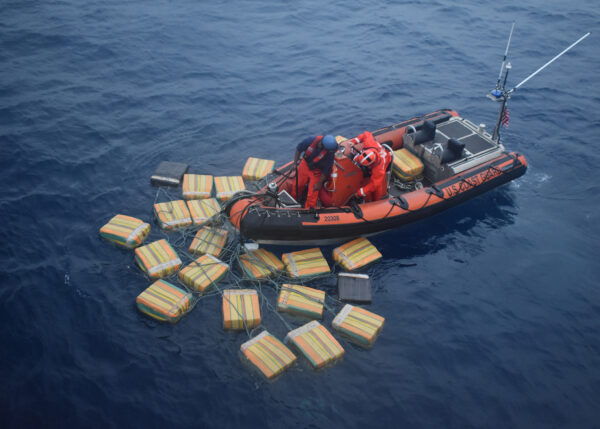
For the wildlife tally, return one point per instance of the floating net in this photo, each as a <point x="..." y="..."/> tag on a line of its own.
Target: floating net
<point x="200" y="255"/>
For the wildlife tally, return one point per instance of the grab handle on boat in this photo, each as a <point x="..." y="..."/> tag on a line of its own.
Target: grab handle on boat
<point x="516" y="162"/>
<point x="433" y="189"/>
<point x="356" y="210"/>
<point x="400" y="201"/>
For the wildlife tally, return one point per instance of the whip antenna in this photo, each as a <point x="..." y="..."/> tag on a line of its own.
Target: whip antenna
<point x="548" y="63"/>
<point x="505" y="55"/>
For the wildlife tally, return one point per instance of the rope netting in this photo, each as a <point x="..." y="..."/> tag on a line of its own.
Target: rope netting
<point x="236" y="277"/>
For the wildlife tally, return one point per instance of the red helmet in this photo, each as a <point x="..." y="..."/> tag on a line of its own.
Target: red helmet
<point x="366" y="157"/>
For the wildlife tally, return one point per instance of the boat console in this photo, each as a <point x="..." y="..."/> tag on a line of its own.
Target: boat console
<point x="450" y="147"/>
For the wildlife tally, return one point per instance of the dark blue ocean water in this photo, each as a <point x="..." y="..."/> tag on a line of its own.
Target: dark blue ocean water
<point x="492" y="308"/>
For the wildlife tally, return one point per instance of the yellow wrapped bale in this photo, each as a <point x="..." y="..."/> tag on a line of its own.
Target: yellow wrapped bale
<point x="301" y="300"/>
<point x="358" y="325"/>
<point x="227" y="186"/>
<point x="203" y="211"/>
<point x="316" y="344"/>
<point x="267" y="354"/>
<point x="209" y="241"/>
<point x="356" y="254"/>
<point x="260" y="264"/>
<point x="172" y="215"/>
<point x="256" y="168"/>
<point x="240" y="309"/>
<point x="125" y="231"/>
<point x="196" y="186"/>
<point x="406" y="166"/>
<point x="165" y="302"/>
<point x="203" y="272"/>
<point x="157" y="259"/>
<point x="305" y="263"/>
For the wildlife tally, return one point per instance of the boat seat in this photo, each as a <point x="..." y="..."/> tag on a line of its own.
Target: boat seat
<point x="413" y="139"/>
<point x="426" y="133"/>
<point x="436" y="157"/>
<point x="454" y="151"/>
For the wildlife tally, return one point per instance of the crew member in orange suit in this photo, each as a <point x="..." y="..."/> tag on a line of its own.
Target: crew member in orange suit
<point x="376" y="159"/>
<point x="315" y="166"/>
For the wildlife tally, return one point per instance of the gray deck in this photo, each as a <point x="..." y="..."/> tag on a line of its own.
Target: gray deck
<point x="458" y="130"/>
<point x="474" y="143"/>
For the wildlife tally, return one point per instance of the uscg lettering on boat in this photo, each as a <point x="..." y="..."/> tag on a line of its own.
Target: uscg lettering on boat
<point x="472" y="182"/>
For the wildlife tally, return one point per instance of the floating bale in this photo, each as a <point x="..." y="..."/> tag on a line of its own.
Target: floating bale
<point x="406" y="166"/>
<point x="203" y="272"/>
<point x="301" y="300"/>
<point x="356" y="254"/>
<point x="354" y="287"/>
<point x="240" y="309"/>
<point x="210" y="241"/>
<point x="267" y="354"/>
<point x="125" y="231"/>
<point x="196" y="186"/>
<point x="358" y="325"/>
<point x="165" y="302"/>
<point x="157" y="259"/>
<point x="256" y="168"/>
<point x="172" y="214"/>
<point x="260" y="264"/>
<point x="316" y="344"/>
<point x="227" y="186"/>
<point x="305" y="263"/>
<point x="168" y="174"/>
<point x="203" y="211"/>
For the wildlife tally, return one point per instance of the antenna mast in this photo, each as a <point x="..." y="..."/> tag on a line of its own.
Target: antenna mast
<point x="502" y="95"/>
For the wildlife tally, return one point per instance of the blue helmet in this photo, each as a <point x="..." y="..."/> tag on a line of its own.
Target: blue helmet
<point x="329" y="143"/>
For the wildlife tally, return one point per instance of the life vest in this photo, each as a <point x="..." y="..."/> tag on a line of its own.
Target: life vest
<point x="310" y="154"/>
<point x="377" y="185"/>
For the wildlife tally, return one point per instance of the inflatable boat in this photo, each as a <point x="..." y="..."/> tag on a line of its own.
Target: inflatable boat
<point x="439" y="160"/>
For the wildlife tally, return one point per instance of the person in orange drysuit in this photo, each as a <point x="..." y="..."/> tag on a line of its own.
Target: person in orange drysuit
<point x="315" y="166"/>
<point x="374" y="157"/>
